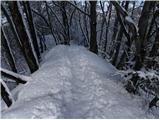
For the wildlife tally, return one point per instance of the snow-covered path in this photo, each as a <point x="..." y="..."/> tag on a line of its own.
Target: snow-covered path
<point x="74" y="83"/>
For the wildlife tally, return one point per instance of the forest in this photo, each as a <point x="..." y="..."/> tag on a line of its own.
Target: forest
<point x="80" y="59"/>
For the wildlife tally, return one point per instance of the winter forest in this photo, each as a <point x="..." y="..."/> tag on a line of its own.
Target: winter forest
<point x="80" y="59"/>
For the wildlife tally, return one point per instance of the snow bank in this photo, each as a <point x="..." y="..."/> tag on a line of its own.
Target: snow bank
<point x="74" y="83"/>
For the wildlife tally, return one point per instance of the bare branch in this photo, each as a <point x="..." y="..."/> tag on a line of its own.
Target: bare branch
<point x="127" y="18"/>
<point x="119" y="8"/>
<point x="14" y="76"/>
<point x="41" y="16"/>
<point x="55" y="15"/>
<point x="78" y="9"/>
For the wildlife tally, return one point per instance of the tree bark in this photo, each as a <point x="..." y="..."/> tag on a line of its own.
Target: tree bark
<point x="9" y="19"/>
<point x="50" y="24"/>
<point x="143" y="25"/>
<point x="154" y="50"/>
<point x="93" y="35"/>
<point x="86" y="23"/>
<point x="80" y="25"/>
<point x="102" y="24"/>
<point x="119" y="37"/>
<point x="5" y="43"/>
<point x="115" y="33"/>
<point x="32" y="28"/>
<point x="107" y="26"/>
<point x="115" y="30"/>
<point x="24" y="38"/>
<point x="65" y="23"/>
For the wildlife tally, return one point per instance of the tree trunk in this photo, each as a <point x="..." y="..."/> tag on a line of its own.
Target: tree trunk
<point x="50" y="24"/>
<point x="83" y="33"/>
<point x="32" y="27"/>
<point x="118" y="44"/>
<point x="86" y="23"/>
<point x="102" y="24"/>
<point x="24" y="38"/>
<point x="107" y="26"/>
<point x="65" y="23"/>
<point x="154" y="50"/>
<point x="134" y="3"/>
<point x="93" y="35"/>
<point x="8" y="50"/>
<point x="4" y="10"/>
<point x="155" y="16"/>
<point x="119" y="37"/>
<point x="115" y="32"/>
<point x="144" y="25"/>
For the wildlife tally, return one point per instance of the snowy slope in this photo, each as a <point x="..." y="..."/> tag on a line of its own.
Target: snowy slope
<point x="74" y="83"/>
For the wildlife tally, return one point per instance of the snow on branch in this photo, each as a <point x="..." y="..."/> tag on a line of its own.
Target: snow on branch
<point x="14" y="76"/>
<point x="5" y="94"/>
<point x="119" y="8"/>
<point x="126" y="16"/>
<point x="124" y="27"/>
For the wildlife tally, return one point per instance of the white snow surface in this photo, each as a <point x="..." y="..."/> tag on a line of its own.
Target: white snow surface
<point x="74" y="83"/>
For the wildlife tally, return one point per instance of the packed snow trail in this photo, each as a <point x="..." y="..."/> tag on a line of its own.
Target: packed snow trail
<point x="74" y="83"/>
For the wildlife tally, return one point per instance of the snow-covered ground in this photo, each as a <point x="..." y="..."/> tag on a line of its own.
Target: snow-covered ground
<point x="74" y="83"/>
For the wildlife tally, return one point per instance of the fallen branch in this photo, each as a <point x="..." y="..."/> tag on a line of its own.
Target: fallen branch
<point x="5" y="94"/>
<point x="14" y="76"/>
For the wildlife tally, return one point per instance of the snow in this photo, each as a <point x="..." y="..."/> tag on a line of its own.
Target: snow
<point x="74" y="83"/>
<point x="130" y="20"/>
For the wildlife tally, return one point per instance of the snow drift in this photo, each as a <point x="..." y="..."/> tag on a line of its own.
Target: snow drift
<point x="74" y="83"/>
